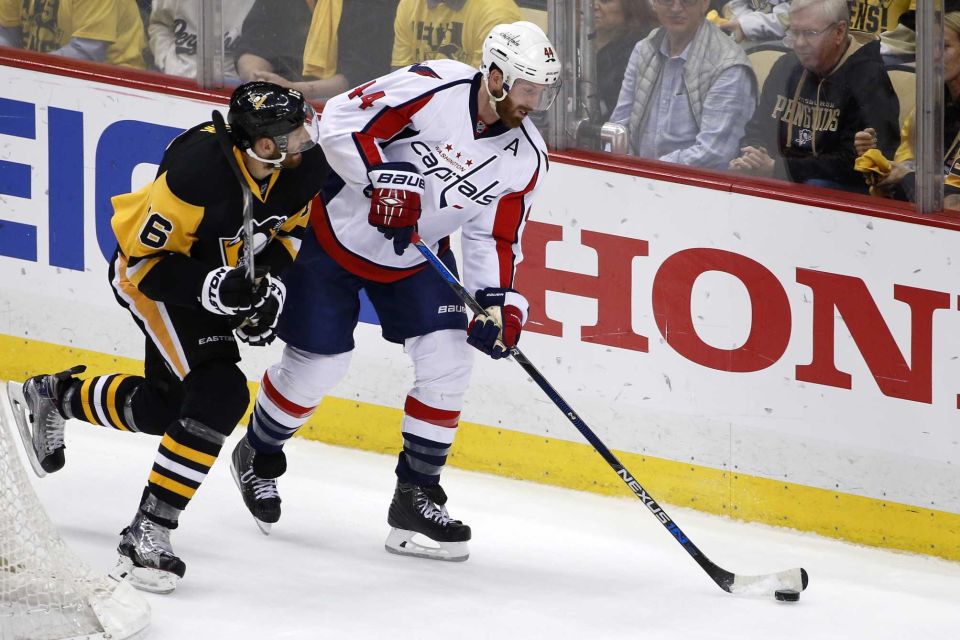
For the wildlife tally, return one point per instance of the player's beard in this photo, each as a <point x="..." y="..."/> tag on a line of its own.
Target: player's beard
<point x="292" y="161"/>
<point x="510" y="113"/>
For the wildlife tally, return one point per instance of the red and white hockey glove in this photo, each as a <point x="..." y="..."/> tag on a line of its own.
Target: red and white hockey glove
<point x="498" y="330"/>
<point x="395" y="192"/>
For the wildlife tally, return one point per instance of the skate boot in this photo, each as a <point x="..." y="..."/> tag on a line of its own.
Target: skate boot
<point x="256" y="476"/>
<point x="422" y="510"/>
<point x="37" y="410"/>
<point x="146" y="557"/>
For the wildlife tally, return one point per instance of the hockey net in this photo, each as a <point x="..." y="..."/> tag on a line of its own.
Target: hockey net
<point x="46" y="592"/>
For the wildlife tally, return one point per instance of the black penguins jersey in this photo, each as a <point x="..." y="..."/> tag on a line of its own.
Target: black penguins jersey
<point x="189" y="220"/>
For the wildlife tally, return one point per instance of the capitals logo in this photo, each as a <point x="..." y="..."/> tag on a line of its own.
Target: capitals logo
<point x="454" y="175"/>
<point x="510" y="38"/>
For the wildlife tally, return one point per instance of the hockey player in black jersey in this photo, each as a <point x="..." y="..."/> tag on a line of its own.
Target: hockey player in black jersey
<point x="179" y="271"/>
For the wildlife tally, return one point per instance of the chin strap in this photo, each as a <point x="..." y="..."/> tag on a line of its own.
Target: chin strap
<point x="275" y="163"/>
<point x="492" y="98"/>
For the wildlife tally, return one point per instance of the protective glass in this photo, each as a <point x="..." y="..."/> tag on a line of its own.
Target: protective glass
<point x="532" y="95"/>
<point x="306" y="137"/>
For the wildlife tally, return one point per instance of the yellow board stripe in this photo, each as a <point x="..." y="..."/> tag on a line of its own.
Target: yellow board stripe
<point x="577" y="466"/>
<point x="111" y="400"/>
<point x="189" y="453"/>
<point x="85" y="401"/>
<point x="172" y="485"/>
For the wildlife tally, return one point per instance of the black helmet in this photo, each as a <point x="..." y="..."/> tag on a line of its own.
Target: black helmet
<point x="263" y="109"/>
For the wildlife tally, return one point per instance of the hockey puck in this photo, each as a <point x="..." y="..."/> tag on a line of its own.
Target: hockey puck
<point x="787" y="595"/>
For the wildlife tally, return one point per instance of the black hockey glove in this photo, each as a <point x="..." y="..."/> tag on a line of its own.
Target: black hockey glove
<point x="227" y="292"/>
<point x="498" y="330"/>
<point x="259" y="329"/>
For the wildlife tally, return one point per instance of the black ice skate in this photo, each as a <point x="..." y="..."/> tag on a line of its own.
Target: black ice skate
<point x="146" y="557"/>
<point x="259" y="493"/>
<point x="36" y="409"/>
<point x="421" y="510"/>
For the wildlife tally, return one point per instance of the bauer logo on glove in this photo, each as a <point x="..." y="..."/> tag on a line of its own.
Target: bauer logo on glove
<point x="395" y="192"/>
<point x="397" y="179"/>
<point x="497" y="330"/>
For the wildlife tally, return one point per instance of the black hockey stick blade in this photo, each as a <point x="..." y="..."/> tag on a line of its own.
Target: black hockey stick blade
<point x="226" y="146"/>
<point x="756" y="585"/>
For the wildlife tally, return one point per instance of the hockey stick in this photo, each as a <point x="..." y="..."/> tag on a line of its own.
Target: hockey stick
<point x="226" y="145"/>
<point x="767" y="584"/>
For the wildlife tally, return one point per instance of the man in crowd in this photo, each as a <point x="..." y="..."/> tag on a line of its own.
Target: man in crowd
<point x="688" y="91"/>
<point x="815" y="100"/>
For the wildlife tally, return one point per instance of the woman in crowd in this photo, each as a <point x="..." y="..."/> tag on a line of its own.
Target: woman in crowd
<point x="898" y="175"/>
<point x="619" y="24"/>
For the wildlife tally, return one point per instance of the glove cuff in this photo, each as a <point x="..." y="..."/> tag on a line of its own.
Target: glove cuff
<point x="503" y="297"/>
<point x="516" y="299"/>
<point x="396" y="175"/>
<point x="210" y="292"/>
<point x="275" y="289"/>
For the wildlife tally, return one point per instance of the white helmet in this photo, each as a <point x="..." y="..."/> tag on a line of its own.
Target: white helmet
<point x="521" y="51"/>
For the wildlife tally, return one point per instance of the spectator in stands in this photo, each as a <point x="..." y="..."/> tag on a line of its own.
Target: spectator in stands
<point x="348" y="42"/>
<point x="454" y="29"/>
<point x="815" y="100"/>
<point x="688" y="90"/>
<point x="347" y="50"/>
<point x="173" y="30"/>
<point x="272" y="39"/>
<point x="97" y="30"/>
<point x="619" y="24"/>
<point x="898" y="175"/>
<point x="753" y="22"/>
<point x="899" y="45"/>
<point x="870" y="18"/>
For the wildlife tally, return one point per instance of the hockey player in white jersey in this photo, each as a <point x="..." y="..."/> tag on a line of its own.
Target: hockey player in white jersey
<point x="433" y="147"/>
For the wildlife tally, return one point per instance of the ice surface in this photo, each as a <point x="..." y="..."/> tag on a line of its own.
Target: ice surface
<point x="545" y="562"/>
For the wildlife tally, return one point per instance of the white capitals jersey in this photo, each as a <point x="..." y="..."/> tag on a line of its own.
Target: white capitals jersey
<point x="478" y="178"/>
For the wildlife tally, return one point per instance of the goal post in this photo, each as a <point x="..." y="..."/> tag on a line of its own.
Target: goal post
<point x="46" y="591"/>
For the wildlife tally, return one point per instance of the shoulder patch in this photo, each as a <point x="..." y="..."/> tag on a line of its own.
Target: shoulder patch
<point x="424" y="70"/>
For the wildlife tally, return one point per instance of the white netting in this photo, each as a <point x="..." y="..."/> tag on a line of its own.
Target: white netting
<point x="46" y="592"/>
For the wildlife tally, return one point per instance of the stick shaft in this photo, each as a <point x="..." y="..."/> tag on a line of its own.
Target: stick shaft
<point x="722" y="577"/>
<point x="226" y="145"/>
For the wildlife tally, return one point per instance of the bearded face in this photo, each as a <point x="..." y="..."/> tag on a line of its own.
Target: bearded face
<point x="522" y="98"/>
<point x="511" y="113"/>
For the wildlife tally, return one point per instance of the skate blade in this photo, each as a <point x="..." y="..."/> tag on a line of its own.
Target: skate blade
<point x="21" y="413"/>
<point x="401" y="542"/>
<point x="265" y="527"/>
<point x="143" y="578"/>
